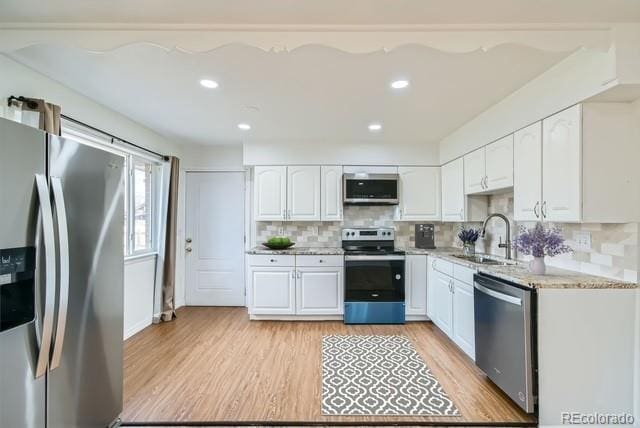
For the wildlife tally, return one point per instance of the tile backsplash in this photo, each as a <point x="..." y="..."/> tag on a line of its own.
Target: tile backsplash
<point x="614" y="247"/>
<point x="327" y="234"/>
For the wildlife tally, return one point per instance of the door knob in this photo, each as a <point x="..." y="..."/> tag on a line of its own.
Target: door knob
<point x="189" y="240"/>
<point x="188" y="249"/>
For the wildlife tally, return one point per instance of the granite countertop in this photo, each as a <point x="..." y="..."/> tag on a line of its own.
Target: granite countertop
<point x="518" y="272"/>
<point x="299" y="251"/>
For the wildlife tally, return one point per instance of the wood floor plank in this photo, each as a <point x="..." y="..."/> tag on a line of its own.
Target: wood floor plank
<point x="213" y="364"/>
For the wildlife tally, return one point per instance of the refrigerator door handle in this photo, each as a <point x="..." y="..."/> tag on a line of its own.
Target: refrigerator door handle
<point x="63" y="245"/>
<point x="50" y="274"/>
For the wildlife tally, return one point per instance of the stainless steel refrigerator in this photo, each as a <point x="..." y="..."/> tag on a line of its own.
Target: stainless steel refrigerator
<point x="61" y="281"/>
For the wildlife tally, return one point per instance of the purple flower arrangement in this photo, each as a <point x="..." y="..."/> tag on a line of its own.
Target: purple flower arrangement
<point x="468" y="236"/>
<point x="540" y="241"/>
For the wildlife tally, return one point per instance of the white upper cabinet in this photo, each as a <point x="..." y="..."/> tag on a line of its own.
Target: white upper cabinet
<point x="527" y="173"/>
<point x="419" y="193"/>
<point x="579" y="165"/>
<point x="456" y="206"/>
<point x="474" y="171"/>
<point x="270" y="193"/>
<point x="453" y="191"/>
<point x="562" y="166"/>
<point x="303" y="193"/>
<point x="490" y="167"/>
<point x="331" y="193"/>
<point x="499" y="164"/>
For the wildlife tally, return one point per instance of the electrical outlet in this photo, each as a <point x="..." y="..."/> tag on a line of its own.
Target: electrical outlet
<point x="582" y="241"/>
<point x="281" y="231"/>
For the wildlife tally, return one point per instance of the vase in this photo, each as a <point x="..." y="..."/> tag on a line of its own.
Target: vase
<point x="469" y="249"/>
<point x="537" y="266"/>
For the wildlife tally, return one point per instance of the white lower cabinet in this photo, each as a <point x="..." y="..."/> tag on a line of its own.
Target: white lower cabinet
<point x="307" y="285"/>
<point x="443" y="303"/>
<point x="415" y="286"/>
<point x="272" y="290"/>
<point x="319" y="291"/>
<point x="463" y="317"/>
<point x="450" y="302"/>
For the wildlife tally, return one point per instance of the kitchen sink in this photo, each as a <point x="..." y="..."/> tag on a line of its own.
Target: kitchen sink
<point x="484" y="260"/>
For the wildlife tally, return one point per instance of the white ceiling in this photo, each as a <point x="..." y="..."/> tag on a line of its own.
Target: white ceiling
<point x="310" y="93"/>
<point x="334" y="12"/>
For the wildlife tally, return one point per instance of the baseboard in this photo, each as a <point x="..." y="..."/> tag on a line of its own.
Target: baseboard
<point x="136" y="328"/>
<point x="180" y="303"/>
<point x="295" y="317"/>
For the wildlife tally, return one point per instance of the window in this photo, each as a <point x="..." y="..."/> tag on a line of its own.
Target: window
<point x="139" y="206"/>
<point x="140" y="188"/>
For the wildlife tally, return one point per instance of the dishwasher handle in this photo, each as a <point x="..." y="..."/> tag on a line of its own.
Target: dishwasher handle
<point x="497" y="295"/>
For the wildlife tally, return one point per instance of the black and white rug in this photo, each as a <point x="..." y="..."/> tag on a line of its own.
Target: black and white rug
<point x="379" y="375"/>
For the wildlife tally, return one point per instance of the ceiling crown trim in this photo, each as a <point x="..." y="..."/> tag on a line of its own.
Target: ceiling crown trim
<point x="354" y="40"/>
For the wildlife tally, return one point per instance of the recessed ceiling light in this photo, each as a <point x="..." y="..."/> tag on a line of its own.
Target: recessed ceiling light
<point x="244" y="126"/>
<point x="375" y="127"/>
<point x="399" y="84"/>
<point x="209" y="84"/>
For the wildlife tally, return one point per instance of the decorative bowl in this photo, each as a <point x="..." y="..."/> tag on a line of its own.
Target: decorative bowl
<point x="278" y="246"/>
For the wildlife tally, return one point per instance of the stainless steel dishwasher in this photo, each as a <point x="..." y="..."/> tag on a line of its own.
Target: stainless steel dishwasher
<point x="505" y="337"/>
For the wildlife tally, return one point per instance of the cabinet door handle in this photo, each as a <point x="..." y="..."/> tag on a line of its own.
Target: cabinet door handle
<point x="298" y="274"/>
<point x="433" y="264"/>
<point x="293" y="274"/>
<point x="544" y="209"/>
<point x="273" y="260"/>
<point x="284" y="214"/>
<point x="461" y="214"/>
<point x="535" y="209"/>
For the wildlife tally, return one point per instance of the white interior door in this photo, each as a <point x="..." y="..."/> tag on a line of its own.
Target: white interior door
<point x="215" y="239"/>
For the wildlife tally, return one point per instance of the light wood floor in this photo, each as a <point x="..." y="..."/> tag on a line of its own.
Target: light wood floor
<point x="213" y="364"/>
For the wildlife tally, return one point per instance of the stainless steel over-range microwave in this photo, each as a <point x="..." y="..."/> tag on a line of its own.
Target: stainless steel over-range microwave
<point x="370" y="189"/>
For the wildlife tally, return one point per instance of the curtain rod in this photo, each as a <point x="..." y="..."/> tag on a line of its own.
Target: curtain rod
<point x="93" y="128"/>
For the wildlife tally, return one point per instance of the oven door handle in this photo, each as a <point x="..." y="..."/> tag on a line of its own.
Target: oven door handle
<point x="497" y="295"/>
<point x="373" y="258"/>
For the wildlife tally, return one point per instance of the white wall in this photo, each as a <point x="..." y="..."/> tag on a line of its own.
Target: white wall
<point x="139" y="276"/>
<point x="578" y="77"/>
<point x="341" y="153"/>
<point x="16" y="79"/>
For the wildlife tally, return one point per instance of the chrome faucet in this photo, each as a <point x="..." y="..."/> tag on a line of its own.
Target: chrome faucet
<point x="507" y="243"/>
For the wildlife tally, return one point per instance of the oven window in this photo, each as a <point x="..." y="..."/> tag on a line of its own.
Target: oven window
<point x="374" y="280"/>
<point x="367" y="189"/>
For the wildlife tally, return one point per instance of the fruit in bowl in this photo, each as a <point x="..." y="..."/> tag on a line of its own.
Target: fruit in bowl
<point x="278" y="242"/>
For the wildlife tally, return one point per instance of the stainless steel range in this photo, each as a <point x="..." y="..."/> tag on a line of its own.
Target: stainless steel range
<point x="374" y="277"/>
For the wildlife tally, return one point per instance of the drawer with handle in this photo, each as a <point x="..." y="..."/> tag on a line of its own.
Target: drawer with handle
<point x="319" y="260"/>
<point x="272" y="260"/>
<point x="442" y="266"/>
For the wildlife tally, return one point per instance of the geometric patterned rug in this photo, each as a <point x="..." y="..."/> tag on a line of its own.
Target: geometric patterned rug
<point x="379" y="375"/>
